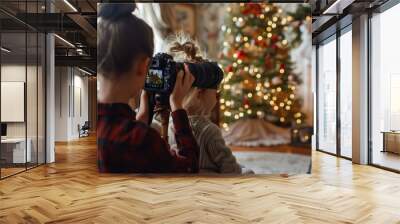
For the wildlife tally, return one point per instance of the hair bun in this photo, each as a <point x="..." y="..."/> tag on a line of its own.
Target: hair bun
<point x="189" y="48"/>
<point x="115" y="11"/>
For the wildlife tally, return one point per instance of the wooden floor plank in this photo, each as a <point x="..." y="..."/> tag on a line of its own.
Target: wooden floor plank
<point x="72" y="191"/>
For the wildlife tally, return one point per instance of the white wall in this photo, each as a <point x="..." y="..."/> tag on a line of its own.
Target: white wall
<point x="16" y="73"/>
<point x="70" y="83"/>
<point x="11" y="73"/>
<point x="79" y="117"/>
<point x="61" y="103"/>
<point x="33" y="127"/>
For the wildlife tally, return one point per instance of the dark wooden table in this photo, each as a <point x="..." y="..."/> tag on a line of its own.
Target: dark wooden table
<point x="391" y="141"/>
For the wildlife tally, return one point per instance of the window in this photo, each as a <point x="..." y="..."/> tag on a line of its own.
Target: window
<point x="22" y="88"/>
<point x="385" y="89"/>
<point x="346" y="93"/>
<point x="327" y="96"/>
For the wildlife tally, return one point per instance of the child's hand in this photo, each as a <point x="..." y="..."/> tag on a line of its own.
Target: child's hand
<point x="143" y="113"/>
<point x="183" y="84"/>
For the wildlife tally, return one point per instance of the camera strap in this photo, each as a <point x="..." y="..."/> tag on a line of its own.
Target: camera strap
<point x="151" y="104"/>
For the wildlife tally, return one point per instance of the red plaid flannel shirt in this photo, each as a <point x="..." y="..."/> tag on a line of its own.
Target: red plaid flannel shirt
<point x="125" y="145"/>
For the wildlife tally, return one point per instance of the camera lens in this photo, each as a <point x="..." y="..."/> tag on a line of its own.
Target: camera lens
<point x="208" y="75"/>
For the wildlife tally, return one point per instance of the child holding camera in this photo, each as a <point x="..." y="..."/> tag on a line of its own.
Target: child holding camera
<point x="215" y="156"/>
<point x="125" y="142"/>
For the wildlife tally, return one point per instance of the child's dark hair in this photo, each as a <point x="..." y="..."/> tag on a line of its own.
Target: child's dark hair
<point x="122" y="37"/>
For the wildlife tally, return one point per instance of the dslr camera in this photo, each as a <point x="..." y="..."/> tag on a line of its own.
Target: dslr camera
<point x="163" y="70"/>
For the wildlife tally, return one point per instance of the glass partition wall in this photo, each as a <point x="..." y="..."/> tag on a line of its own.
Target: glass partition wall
<point x="13" y="89"/>
<point x="22" y="88"/>
<point x="334" y="94"/>
<point x="327" y="95"/>
<point x="345" y="62"/>
<point x="385" y="89"/>
<point x="334" y="117"/>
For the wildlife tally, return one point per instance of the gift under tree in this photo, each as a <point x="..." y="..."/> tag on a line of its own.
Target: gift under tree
<point x="259" y="87"/>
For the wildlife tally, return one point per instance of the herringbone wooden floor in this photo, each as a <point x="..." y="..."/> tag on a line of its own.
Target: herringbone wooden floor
<point x="72" y="191"/>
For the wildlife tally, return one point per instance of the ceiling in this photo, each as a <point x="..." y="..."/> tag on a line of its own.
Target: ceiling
<point x="74" y="22"/>
<point x="327" y="13"/>
<point x="19" y="54"/>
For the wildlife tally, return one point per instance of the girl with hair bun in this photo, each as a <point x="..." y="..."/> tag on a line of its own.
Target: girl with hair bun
<point x="125" y="142"/>
<point x="215" y="155"/>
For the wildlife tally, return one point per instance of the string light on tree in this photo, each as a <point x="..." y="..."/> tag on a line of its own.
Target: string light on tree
<point x="260" y="80"/>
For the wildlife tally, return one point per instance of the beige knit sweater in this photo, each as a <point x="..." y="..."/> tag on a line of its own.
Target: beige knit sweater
<point x="215" y="156"/>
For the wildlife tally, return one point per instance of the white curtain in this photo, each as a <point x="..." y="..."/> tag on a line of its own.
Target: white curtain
<point x="160" y="18"/>
<point x="303" y="60"/>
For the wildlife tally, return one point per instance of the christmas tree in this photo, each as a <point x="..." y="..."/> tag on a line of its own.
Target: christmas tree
<point x="260" y="81"/>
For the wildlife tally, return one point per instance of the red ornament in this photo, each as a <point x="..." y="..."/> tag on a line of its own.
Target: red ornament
<point x="268" y="62"/>
<point x="274" y="47"/>
<point x="229" y="68"/>
<point x="257" y="9"/>
<point x="241" y="55"/>
<point x="261" y="43"/>
<point x="245" y="101"/>
<point x="282" y="66"/>
<point x="274" y="38"/>
<point x="252" y="8"/>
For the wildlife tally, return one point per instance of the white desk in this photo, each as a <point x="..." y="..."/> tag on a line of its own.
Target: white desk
<point x="16" y="147"/>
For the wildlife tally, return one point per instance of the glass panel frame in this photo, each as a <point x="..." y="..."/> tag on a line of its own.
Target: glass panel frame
<point x="326" y="96"/>
<point x="14" y="144"/>
<point x="384" y="70"/>
<point x="27" y="57"/>
<point x="345" y="97"/>
<point x="341" y="89"/>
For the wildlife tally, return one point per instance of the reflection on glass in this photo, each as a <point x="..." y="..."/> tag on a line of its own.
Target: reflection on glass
<point x="22" y="91"/>
<point x="41" y="98"/>
<point x="31" y="100"/>
<point x="15" y="150"/>
<point x="327" y="97"/>
<point x="385" y="84"/>
<point x="346" y="94"/>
